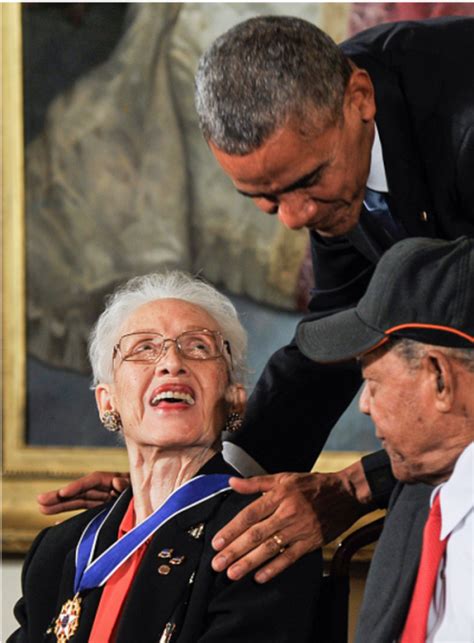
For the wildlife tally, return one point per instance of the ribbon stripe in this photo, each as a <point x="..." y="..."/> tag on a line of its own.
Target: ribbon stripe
<point x="96" y="573"/>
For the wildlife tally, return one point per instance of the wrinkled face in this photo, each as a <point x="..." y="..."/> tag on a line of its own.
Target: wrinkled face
<point x="176" y="402"/>
<point x="401" y="403"/>
<point x="313" y="177"/>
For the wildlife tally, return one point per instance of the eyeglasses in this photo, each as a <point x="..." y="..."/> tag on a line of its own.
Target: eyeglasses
<point x="148" y="348"/>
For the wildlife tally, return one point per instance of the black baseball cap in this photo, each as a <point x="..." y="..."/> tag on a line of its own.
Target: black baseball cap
<point x="421" y="289"/>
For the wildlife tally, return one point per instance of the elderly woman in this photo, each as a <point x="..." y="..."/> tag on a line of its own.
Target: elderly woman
<point x="167" y="355"/>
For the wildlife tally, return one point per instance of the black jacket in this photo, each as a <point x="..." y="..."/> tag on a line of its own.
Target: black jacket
<point x="424" y="92"/>
<point x="212" y="610"/>
<point x="394" y="567"/>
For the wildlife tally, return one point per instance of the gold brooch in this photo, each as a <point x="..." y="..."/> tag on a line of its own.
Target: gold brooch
<point x="197" y="531"/>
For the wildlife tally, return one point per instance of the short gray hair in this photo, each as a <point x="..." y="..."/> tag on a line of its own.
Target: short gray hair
<point x="167" y="285"/>
<point x="263" y="71"/>
<point x="413" y="352"/>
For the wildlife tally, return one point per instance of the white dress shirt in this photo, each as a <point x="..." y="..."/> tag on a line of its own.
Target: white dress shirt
<point x="451" y="616"/>
<point x="377" y="179"/>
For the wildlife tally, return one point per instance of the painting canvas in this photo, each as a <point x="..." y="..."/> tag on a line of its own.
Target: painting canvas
<point x="106" y="176"/>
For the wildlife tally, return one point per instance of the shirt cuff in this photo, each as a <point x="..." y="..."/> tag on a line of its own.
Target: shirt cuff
<point x="379" y="476"/>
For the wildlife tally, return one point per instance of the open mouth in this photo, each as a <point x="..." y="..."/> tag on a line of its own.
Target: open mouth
<point x="174" y="395"/>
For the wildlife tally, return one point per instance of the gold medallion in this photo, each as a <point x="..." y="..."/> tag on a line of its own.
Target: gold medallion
<point x="67" y="622"/>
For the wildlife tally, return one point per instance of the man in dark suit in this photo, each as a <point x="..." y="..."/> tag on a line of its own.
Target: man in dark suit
<point x="363" y="145"/>
<point x="413" y="334"/>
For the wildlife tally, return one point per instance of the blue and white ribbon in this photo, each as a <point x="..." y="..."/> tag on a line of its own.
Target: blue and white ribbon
<point x="94" y="573"/>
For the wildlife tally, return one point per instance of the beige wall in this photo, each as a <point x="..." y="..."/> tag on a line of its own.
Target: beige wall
<point x="10" y="572"/>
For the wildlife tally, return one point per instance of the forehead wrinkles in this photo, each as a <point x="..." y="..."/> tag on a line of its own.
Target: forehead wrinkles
<point x="165" y="315"/>
<point x="287" y="155"/>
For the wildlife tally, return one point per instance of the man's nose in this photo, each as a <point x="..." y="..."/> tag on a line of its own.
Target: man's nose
<point x="296" y="210"/>
<point x="364" y="400"/>
<point x="171" y="361"/>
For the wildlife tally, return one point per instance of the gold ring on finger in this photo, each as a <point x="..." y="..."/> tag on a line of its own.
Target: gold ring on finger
<point x="279" y="542"/>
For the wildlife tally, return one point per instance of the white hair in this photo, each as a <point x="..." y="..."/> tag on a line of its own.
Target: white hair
<point x="413" y="352"/>
<point x="167" y="285"/>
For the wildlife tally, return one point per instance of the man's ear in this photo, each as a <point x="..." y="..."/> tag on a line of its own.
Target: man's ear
<point x="236" y="397"/>
<point x="104" y="398"/>
<point x="441" y="379"/>
<point x="360" y="94"/>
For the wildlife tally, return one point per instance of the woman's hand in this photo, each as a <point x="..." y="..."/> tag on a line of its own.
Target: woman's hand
<point x="89" y="491"/>
<point x="296" y="514"/>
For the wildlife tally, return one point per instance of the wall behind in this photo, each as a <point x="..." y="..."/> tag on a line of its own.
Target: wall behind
<point x="10" y="575"/>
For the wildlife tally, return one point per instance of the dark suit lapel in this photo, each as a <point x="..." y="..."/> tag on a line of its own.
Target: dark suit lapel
<point x="408" y="193"/>
<point x="369" y="237"/>
<point x="394" y="566"/>
<point x="90" y="599"/>
<point x="156" y="598"/>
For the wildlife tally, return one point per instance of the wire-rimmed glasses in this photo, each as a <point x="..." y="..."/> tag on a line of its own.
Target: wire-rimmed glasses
<point x="148" y="347"/>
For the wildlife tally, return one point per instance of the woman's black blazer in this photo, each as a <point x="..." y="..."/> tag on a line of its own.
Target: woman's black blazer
<point x="210" y="609"/>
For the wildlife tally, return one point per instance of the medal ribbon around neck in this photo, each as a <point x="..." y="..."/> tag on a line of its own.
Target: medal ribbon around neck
<point x="95" y="573"/>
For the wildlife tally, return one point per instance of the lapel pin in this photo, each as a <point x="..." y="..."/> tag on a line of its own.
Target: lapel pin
<point x="167" y="552"/>
<point x="164" y="570"/>
<point x="177" y="560"/>
<point x="197" y="531"/>
<point x="167" y="632"/>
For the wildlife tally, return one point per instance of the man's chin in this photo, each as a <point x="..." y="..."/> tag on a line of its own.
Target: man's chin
<point x="339" y="230"/>
<point x="403" y="472"/>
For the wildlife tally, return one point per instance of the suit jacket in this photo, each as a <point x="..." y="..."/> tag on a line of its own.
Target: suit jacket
<point x="394" y="567"/>
<point x="210" y="610"/>
<point x="425" y="117"/>
<point x="424" y="94"/>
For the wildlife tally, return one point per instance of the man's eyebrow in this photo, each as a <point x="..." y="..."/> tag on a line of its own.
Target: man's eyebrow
<point x="302" y="182"/>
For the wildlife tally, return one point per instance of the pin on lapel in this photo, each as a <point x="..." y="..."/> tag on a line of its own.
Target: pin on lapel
<point x="167" y="633"/>
<point x="167" y="552"/>
<point x="177" y="560"/>
<point x="197" y="531"/>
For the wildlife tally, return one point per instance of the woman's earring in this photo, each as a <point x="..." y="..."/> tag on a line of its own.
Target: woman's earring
<point x="233" y="422"/>
<point x="112" y="421"/>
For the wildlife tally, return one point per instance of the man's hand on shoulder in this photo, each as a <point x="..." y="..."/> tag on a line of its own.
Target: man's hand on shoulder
<point x="89" y="491"/>
<point x="297" y="513"/>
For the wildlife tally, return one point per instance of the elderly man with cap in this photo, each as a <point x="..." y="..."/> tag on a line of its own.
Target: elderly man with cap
<point x="413" y="334"/>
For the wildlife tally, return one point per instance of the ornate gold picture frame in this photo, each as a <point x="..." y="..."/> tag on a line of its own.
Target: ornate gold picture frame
<point x="28" y="470"/>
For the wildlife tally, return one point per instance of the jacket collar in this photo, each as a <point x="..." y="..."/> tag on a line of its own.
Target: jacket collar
<point x="408" y="189"/>
<point x="186" y="535"/>
<point x="155" y="597"/>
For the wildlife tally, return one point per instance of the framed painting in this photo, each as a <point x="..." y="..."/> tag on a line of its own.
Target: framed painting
<point x="51" y="433"/>
<point x="28" y="466"/>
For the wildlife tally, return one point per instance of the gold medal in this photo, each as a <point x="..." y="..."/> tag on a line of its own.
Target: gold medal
<point x="67" y="622"/>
